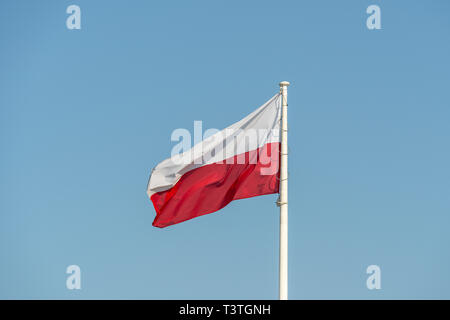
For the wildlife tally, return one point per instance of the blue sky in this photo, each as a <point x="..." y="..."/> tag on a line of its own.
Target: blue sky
<point x="86" y="114"/>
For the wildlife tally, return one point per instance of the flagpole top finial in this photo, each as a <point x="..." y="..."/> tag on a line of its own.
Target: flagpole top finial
<point x="284" y="83"/>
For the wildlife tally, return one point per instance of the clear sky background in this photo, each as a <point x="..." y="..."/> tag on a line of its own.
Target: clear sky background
<point x="85" y="115"/>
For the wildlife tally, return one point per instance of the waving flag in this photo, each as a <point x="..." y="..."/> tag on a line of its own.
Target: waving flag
<point x="241" y="161"/>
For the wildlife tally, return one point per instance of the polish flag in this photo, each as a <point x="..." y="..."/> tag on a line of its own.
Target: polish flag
<point x="241" y="161"/>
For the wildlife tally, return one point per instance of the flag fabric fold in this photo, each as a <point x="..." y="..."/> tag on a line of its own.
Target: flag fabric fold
<point x="240" y="161"/>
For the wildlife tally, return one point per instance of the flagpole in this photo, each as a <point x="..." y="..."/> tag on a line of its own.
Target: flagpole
<point x="283" y="200"/>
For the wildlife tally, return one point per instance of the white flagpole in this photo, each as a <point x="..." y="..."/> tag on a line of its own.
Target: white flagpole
<point x="283" y="200"/>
